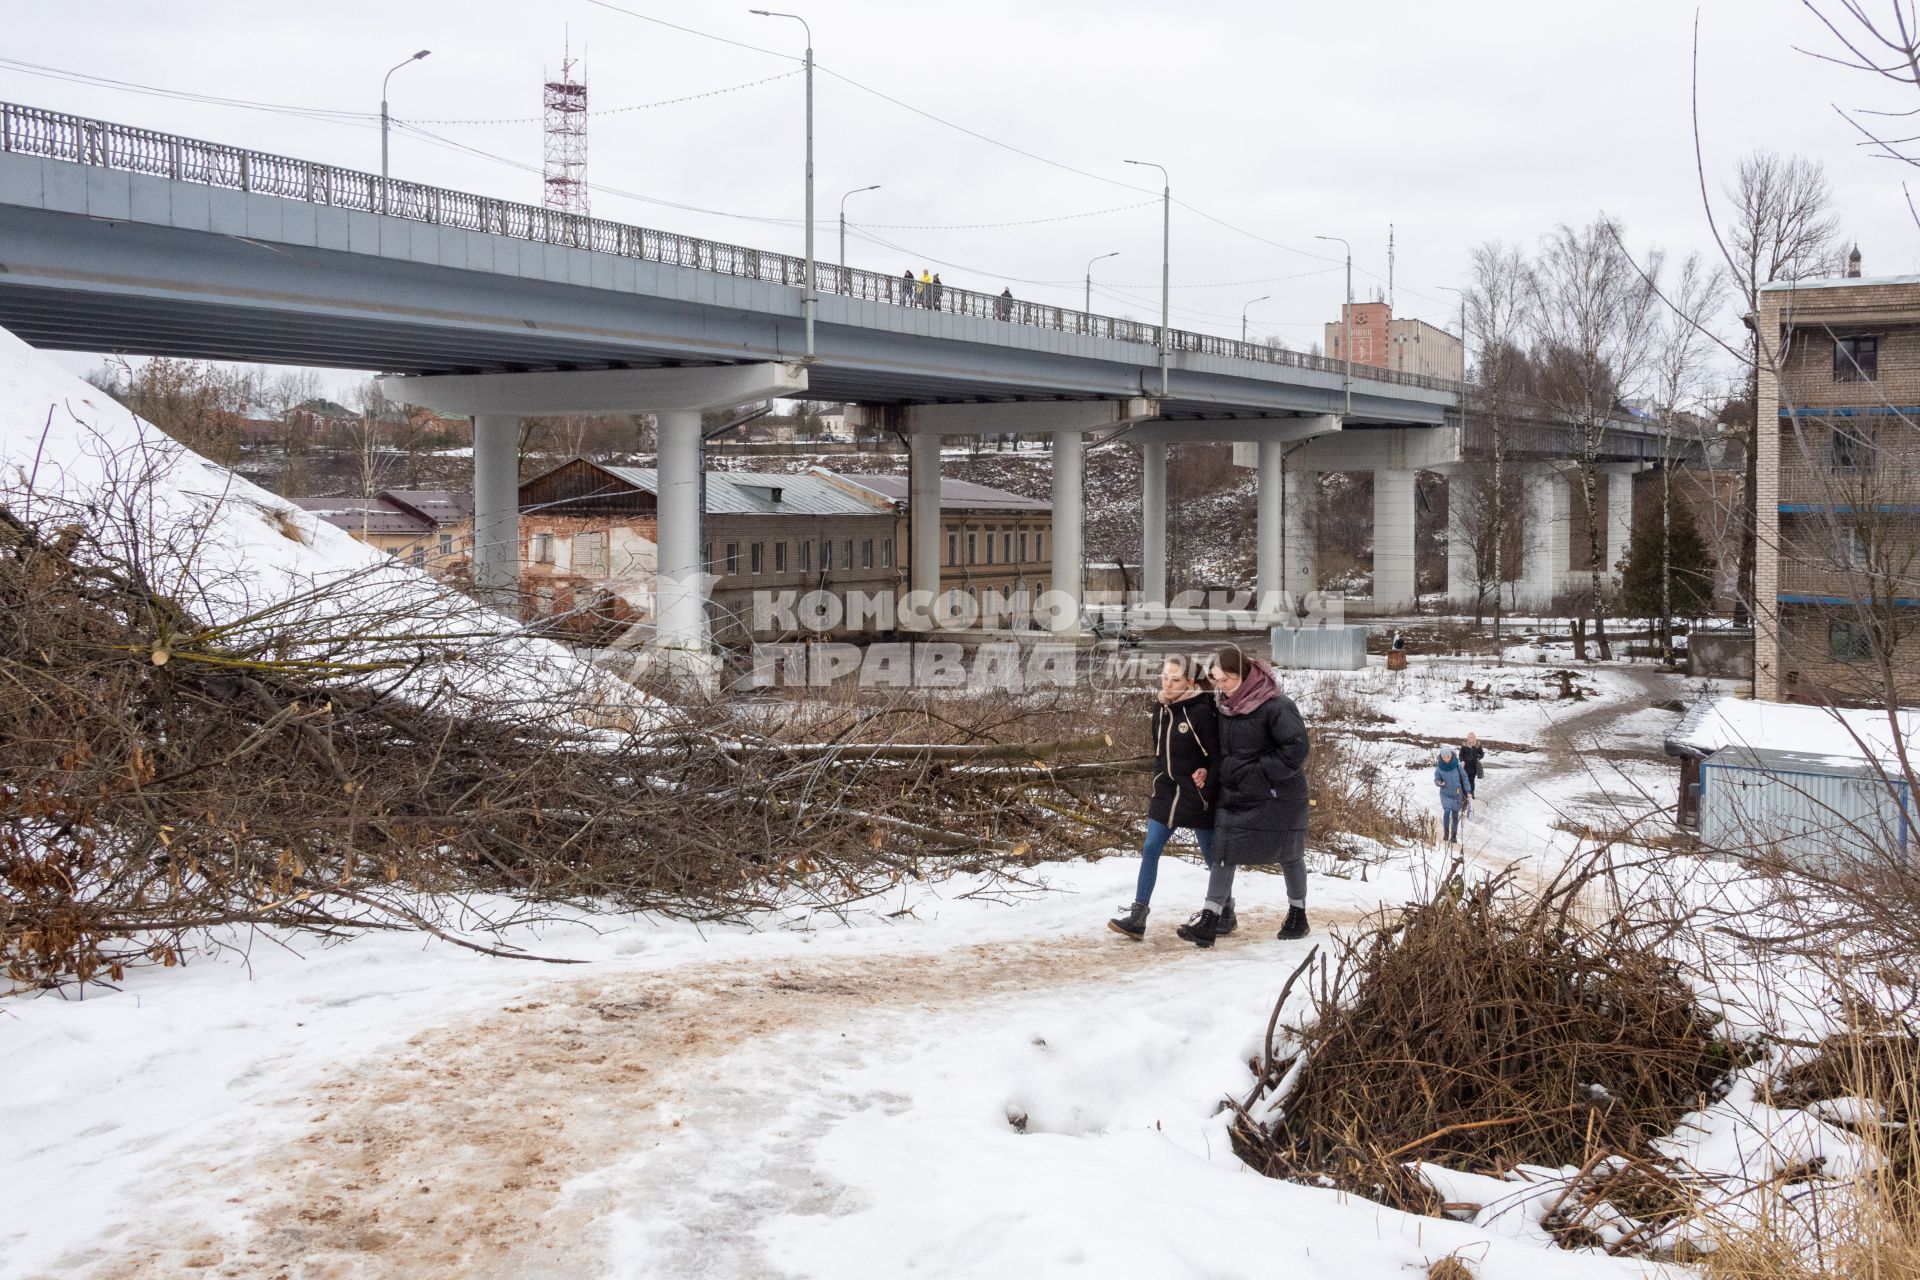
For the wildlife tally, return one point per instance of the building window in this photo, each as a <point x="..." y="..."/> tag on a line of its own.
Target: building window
<point x="826" y="555"/>
<point x="1851" y="447"/>
<point x="1856" y="359"/>
<point x="886" y="553"/>
<point x="1039" y="546"/>
<point x="756" y="557"/>
<point x="590" y="554"/>
<point x="1006" y="548"/>
<point x="542" y="552"/>
<point x="706" y="558"/>
<point x="733" y="557"/>
<point x="446" y="544"/>
<point x="419" y="557"/>
<point x="779" y="557"/>
<point x="973" y="548"/>
<point x="1847" y="642"/>
<point x="866" y="554"/>
<point x="806" y="557"/>
<point x="1023" y="548"/>
<point x="846" y="549"/>
<point x="953" y="548"/>
<point x="989" y="546"/>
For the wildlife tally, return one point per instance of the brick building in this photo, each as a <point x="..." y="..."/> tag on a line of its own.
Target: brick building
<point x="587" y="544"/>
<point x="991" y="541"/>
<point x="432" y="528"/>
<point x="1406" y="345"/>
<point x="1838" y="463"/>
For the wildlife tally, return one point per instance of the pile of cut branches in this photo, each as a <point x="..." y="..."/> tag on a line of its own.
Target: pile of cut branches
<point x="174" y="757"/>
<point x="1482" y="1029"/>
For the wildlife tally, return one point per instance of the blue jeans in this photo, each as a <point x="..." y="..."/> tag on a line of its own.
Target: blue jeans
<point x="1449" y="824"/>
<point x="1158" y="834"/>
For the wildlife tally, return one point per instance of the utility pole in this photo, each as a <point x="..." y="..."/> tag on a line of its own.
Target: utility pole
<point x="810" y="297"/>
<point x="1166" y="251"/>
<point x="1087" y="306"/>
<point x="385" y="119"/>
<point x="1346" y="317"/>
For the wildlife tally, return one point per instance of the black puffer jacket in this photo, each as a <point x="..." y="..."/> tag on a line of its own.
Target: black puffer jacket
<point x="1471" y="759"/>
<point x="1263" y="783"/>
<point x="1186" y="736"/>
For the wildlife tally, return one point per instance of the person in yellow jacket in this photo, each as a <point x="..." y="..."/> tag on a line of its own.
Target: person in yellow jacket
<point x="926" y="287"/>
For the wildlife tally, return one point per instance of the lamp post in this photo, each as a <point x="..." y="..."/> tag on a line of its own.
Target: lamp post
<point x="1166" y="243"/>
<point x="1265" y="297"/>
<point x="1087" y="306"/>
<point x="1346" y="320"/>
<point x="810" y="297"/>
<point x="383" y="124"/>
<point x="843" y="220"/>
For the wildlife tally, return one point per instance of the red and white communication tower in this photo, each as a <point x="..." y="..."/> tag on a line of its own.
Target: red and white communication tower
<point x="565" y="102"/>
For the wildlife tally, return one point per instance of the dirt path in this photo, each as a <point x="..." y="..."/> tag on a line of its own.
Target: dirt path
<point x="454" y="1158"/>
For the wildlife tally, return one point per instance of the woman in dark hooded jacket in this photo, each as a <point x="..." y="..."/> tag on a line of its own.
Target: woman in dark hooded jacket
<point x="1262" y="817"/>
<point x="1186" y="749"/>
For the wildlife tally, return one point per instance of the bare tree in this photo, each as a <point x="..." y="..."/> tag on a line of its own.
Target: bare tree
<point x="1594" y="321"/>
<point x="1681" y="378"/>
<point x="1497" y="297"/>
<point x="1783" y="228"/>
<point x="198" y="403"/>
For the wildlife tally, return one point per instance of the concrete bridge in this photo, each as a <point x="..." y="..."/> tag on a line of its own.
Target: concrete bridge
<point x="120" y="239"/>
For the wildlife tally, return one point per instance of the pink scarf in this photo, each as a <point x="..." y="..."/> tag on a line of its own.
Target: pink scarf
<point x="1256" y="688"/>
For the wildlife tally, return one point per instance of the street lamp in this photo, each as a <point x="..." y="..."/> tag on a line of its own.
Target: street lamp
<point x="1265" y="297"/>
<point x="1166" y="243"/>
<point x="1346" y="319"/>
<point x="1087" y="306"/>
<point x="810" y="298"/>
<point x="1462" y="295"/>
<point x="383" y="124"/>
<point x="843" y="220"/>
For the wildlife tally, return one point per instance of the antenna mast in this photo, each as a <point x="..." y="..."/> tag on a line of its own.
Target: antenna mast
<point x="565" y="103"/>
<point x="1389" y="268"/>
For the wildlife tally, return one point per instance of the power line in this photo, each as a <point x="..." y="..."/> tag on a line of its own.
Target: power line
<point x="693" y="31"/>
<point x="187" y="95"/>
<point x="614" y="111"/>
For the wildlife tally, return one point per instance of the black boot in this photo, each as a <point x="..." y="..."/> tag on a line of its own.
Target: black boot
<point x="1201" y="930"/>
<point x="1228" y="921"/>
<point x="1132" y="921"/>
<point x="1296" y="925"/>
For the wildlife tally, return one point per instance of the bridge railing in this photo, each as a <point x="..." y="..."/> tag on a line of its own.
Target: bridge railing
<point x="52" y="134"/>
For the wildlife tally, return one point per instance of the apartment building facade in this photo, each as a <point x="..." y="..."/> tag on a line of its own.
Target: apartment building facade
<point x="588" y="547"/>
<point x="429" y="528"/>
<point x="1404" y="345"/>
<point x="1837" y="559"/>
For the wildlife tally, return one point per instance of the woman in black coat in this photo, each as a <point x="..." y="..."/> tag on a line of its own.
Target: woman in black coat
<point x="1262" y="815"/>
<point x="1473" y="758"/>
<point x="1186" y="747"/>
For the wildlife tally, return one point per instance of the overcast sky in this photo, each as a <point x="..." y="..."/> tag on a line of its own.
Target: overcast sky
<point x="1453" y="122"/>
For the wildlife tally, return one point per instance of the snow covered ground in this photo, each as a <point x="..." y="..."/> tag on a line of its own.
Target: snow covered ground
<point x="806" y="1097"/>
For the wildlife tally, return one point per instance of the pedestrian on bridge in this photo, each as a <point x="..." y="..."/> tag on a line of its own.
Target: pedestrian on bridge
<point x="926" y="287"/>
<point x="934" y="292"/>
<point x="1003" y="308"/>
<point x="1262" y="813"/>
<point x="1186" y="783"/>
<point x="906" y="287"/>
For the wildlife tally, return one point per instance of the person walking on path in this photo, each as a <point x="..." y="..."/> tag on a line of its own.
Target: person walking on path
<point x="1186" y="783"/>
<point x="1471" y="757"/>
<point x="926" y="287"/>
<point x="1452" y="781"/>
<point x="1003" y="306"/>
<point x="1261" y="818"/>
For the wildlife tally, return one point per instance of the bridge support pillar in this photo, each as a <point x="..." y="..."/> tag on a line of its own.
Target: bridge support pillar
<point x="1394" y="577"/>
<point x="1463" y="570"/>
<point x="1300" y="500"/>
<point x="1547" y="528"/>
<point x="1269" y="506"/>
<point x="496" y="510"/>
<point x="1153" y="524"/>
<point x="1619" y="515"/>
<point x="1069" y="576"/>
<point x="923" y="521"/>
<point x="676" y="397"/>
